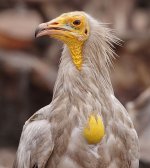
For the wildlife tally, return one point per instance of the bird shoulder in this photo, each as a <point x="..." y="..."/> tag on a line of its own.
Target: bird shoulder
<point x="36" y="143"/>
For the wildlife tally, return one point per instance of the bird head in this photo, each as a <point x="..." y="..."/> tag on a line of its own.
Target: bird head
<point x="72" y="29"/>
<point x="68" y="27"/>
<point x="87" y="39"/>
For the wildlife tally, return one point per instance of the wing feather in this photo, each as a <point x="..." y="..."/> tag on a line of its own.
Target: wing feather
<point x="36" y="145"/>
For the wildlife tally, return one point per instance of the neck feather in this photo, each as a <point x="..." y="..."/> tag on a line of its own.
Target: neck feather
<point x="93" y="77"/>
<point x="92" y="82"/>
<point x="75" y="48"/>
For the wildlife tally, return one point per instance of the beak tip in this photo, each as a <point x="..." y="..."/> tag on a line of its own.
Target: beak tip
<point x="37" y="31"/>
<point x="41" y="28"/>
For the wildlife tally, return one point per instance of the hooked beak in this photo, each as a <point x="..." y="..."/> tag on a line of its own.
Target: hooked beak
<point x="50" y="28"/>
<point x="41" y="30"/>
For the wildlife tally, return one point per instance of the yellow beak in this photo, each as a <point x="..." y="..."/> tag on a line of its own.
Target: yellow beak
<point x="54" y="27"/>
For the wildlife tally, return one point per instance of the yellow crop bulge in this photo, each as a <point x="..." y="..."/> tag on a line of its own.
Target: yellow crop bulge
<point x="94" y="131"/>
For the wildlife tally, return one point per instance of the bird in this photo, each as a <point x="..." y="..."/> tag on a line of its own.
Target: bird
<point x="85" y="125"/>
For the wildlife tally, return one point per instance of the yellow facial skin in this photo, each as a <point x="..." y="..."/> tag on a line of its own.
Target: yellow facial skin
<point x="72" y="29"/>
<point x="94" y="131"/>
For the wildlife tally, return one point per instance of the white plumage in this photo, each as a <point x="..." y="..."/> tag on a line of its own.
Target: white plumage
<point x="53" y="136"/>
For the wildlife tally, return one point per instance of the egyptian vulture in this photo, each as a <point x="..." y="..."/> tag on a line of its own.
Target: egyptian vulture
<point x="84" y="126"/>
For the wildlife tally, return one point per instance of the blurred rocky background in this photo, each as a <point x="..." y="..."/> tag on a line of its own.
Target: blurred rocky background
<point x="28" y="67"/>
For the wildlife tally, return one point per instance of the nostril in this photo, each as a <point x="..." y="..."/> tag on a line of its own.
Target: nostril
<point x="85" y="31"/>
<point x="54" y="23"/>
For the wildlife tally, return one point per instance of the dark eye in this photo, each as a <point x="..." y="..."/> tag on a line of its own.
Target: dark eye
<point x="77" y="22"/>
